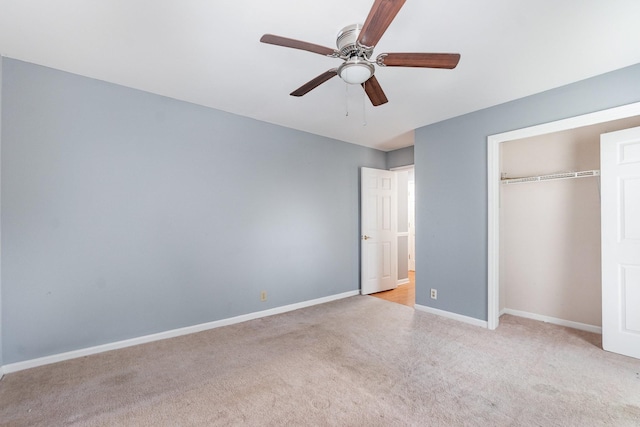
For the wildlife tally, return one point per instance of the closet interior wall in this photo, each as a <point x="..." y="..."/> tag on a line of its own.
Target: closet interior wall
<point x="550" y="231"/>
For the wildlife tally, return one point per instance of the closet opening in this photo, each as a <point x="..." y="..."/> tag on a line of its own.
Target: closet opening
<point x="544" y="220"/>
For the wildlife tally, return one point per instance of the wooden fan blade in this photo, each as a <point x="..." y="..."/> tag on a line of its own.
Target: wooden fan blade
<point x="425" y="60"/>
<point x="312" y="84"/>
<point x="374" y="91"/>
<point x="297" y="44"/>
<point x="380" y="16"/>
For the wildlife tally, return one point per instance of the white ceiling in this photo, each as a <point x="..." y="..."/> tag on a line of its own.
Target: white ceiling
<point x="208" y="53"/>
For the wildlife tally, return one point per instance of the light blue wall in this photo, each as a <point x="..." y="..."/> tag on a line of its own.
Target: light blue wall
<point x="451" y="184"/>
<point x="403" y="257"/>
<point x="126" y="213"/>
<point x="400" y="157"/>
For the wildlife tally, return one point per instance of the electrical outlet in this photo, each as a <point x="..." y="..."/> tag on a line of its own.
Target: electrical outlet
<point x="434" y="294"/>
<point x="263" y="296"/>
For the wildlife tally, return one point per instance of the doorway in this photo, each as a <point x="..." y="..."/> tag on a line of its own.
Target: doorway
<point x="494" y="182"/>
<point x="404" y="293"/>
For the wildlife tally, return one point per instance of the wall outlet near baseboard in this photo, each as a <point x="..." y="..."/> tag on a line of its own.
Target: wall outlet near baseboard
<point x="263" y="296"/>
<point x="434" y="294"/>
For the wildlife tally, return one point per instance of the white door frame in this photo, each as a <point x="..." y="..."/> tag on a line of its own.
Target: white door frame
<point x="408" y="233"/>
<point x="412" y="225"/>
<point x="493" y="188"/>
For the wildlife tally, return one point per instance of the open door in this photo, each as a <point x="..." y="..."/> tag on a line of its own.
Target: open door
<point x="620" y="174"/>
<point x="378" y="239"/>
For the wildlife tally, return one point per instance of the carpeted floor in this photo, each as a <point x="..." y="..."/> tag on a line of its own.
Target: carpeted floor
<point x="360" y="361"/>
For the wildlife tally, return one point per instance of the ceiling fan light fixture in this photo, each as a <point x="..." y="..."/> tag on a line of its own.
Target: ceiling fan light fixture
<point x="355" y="71"/>
<point x="355" y="45"/>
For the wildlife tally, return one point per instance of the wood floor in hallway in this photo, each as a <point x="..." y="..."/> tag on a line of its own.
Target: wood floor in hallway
<point x="403" y="294"/>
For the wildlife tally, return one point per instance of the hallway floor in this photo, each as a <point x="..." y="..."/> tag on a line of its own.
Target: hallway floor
<point x="403" y="294"/>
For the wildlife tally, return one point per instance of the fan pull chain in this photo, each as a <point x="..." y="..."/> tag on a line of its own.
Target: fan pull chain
<point x="346" y="99"/>
<point x="364" y="109"/>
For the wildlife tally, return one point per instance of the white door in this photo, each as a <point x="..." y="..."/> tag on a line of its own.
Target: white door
<point x="378" y="225"/>
<point x="620" y="169"/>
<point x="412" y="227"/>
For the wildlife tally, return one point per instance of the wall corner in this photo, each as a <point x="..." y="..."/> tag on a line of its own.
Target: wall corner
<point x="1" y="116"/>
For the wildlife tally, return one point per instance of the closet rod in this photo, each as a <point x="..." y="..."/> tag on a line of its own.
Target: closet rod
<point x="555" y="176"/>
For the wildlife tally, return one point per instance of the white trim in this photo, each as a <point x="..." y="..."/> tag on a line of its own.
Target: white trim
<point x="19" y="366"/>
<point x="449" y="315"/>
<point x="493" y="233"/>
<point x="493" y="188"/>
<point x="403" y="233"/>
<point x="1" y="329"/>
<point x="402" y="168"/>
<point x="554" y="321"/>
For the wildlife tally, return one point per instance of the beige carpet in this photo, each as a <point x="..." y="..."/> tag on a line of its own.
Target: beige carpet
<point x="360" y="361"/>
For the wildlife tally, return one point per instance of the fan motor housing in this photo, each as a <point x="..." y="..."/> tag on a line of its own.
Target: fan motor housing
<point x="347" y="42"/>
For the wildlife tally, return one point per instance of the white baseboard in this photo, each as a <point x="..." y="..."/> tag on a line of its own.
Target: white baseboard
<point x="27" y="364"/>
<point x="459" y="317"/>
<point x="403" y="281"/>
<point x="553" y="320"/>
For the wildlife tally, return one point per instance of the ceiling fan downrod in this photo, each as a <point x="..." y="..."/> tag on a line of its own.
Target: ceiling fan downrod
<point x="356" y="69"/>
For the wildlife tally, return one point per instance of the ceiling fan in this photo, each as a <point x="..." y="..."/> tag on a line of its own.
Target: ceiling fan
<point x="355" y="47"/>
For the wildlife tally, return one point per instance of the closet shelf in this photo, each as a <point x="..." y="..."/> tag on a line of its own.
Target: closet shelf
<point x="555" y="176"/>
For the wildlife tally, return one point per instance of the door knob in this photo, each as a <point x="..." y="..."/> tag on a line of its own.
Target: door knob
<point x="365" y="237"/>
